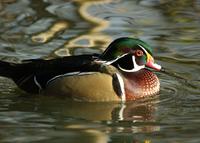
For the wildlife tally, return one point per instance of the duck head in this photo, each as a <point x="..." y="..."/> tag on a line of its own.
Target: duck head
<point x="133" y="58"/>
<point x="130" y="55"/>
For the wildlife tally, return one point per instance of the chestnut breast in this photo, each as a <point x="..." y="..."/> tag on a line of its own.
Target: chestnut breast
<point x="141" y="84"/>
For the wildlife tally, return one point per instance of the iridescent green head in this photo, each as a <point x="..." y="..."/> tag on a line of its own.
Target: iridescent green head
<point x="129" y="55"/>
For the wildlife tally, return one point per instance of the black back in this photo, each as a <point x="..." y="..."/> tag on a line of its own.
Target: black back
<point x="33" y="75"/>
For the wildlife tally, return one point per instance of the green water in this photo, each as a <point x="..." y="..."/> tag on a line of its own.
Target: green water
<point x="49" y="28"/>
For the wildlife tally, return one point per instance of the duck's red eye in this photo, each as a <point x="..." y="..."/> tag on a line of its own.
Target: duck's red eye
<point x="139" y="53"/>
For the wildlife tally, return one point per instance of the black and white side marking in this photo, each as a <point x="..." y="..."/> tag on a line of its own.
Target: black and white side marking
<point x="121" y="86"/>
<point x="69" y="74"/>
<point x="37" y="83"/>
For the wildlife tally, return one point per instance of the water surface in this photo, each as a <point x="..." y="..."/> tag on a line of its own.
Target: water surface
<point x="49" y="29"/>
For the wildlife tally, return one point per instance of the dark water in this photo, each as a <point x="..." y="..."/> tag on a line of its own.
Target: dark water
<point x="49" y="28"/>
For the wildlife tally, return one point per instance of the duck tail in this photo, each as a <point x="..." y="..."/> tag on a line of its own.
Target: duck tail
<point x="6" y="69"/>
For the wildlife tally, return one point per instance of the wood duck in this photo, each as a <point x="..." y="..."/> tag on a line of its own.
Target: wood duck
<point x="121" y="73"/>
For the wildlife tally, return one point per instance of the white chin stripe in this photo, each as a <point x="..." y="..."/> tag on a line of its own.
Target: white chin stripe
<point x="135" y="66"/>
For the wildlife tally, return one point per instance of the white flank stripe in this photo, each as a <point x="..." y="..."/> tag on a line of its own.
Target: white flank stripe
<point x="69" y="74"/>
<point x="37" y="83"/>
<point x="121" y="83"/>
<point x="86" y="73"/>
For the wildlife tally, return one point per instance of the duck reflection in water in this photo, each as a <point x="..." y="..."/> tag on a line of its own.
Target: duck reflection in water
<point x="140" y="111"/>
<point x="130" y="117"/>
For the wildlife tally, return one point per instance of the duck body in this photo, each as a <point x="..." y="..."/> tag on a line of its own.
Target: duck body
<point x="98" y="86"/>
<point x="95" y="77"/>
<point x="91" y="87"/>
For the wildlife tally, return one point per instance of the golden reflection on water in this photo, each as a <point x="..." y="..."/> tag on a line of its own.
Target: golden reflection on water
<point x="95" y="136"/>
<point x="93" y="36"/>
<point x="44" y="37"/>
<point x="100" y="24"/>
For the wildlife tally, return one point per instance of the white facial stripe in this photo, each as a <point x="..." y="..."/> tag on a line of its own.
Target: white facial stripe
<point x="143" y="49"/>
<point x="156" y="66"/>
<point x="136" y="67"/>
<point x="110" y="62"/>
